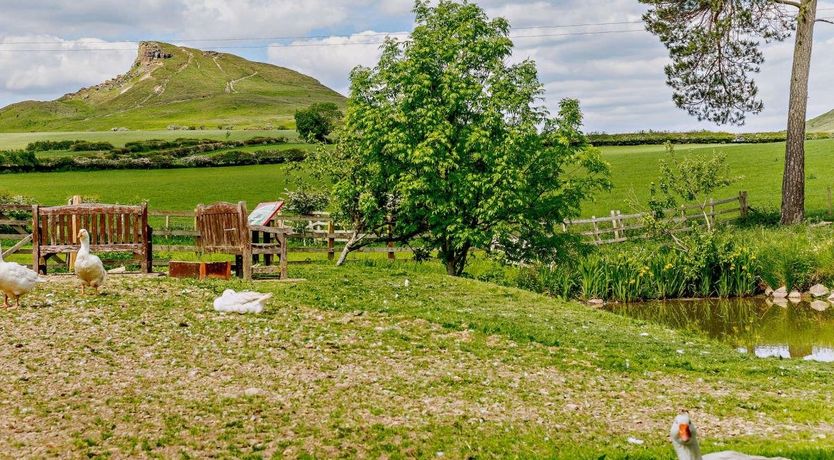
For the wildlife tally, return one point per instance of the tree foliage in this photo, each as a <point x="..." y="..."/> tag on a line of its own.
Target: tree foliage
<point x="445" y="142"/>
<point x="316" y="122"/>
<point x="715" y="51"/>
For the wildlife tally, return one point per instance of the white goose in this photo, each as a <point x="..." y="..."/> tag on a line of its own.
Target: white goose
<point x="241" y="302"/>
<point x="88" y="267"/>
<point x="685" y="442"/>
<point x="15" y="280"/>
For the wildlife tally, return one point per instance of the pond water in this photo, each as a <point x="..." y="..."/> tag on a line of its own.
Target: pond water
<point x="756" y="326"/>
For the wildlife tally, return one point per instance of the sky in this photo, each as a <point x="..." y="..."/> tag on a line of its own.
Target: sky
<point x="592" y="50"/>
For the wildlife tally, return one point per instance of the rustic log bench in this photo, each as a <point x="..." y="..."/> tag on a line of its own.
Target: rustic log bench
<point x="224" y="228"/>
<point x="112" y="228"/>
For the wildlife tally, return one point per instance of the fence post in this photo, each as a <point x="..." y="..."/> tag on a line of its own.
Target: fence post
<point x="712" y="212"/>
<point x="742" y="201"/>
<point x="390" y="244"/>
<point x="596" y="229"/>
<point x="614" y="225"/>
<point x="331" y="241"/>
<point x="621" y="225"/>
<point x="76" y="199"/>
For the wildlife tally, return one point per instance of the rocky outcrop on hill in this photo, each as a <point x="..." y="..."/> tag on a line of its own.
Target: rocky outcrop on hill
<point x="149" y="56"/>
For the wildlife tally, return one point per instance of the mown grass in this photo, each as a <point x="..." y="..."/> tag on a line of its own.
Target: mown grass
<point x="760" y="165"/>
<point x="633" y="168"/>
<point x="355" y="362"/>
<point x="164" y="189"/>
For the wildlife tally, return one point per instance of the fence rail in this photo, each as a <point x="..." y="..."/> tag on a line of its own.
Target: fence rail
<point x="618" y="227"/>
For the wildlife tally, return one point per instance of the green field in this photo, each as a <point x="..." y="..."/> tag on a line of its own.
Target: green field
<point x="633" y="169"/>
<point x="357" y="362"/>
<point x="760" y="165"/>
<point x="164" y="189"/>
<point x="12" y="141"/>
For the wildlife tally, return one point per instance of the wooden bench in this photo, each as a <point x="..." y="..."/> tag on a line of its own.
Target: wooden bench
<point x="112" y="228"/>
<point x="224" y="228"/>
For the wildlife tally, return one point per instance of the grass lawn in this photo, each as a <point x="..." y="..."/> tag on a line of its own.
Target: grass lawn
<point x="633" y="168"/>
<point x="164" y="189"/>
<point x="354" y="363"/>
<point x="9" y="141"/>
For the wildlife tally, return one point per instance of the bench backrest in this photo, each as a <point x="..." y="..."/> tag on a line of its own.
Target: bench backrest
<point x="111" y="227"/>
<point x="223" y="227"/>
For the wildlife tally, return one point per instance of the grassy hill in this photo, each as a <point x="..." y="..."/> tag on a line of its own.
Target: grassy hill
<point x="824" y="122"/>
<point x="170" y="85"/>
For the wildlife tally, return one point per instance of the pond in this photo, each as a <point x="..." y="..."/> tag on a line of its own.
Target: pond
<point x="757" y="326"/>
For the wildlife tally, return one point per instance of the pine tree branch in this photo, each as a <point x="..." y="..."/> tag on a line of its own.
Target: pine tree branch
<point x="789" y="2"/>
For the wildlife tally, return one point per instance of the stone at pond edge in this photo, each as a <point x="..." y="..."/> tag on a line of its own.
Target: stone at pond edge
<point x="780" y="293"/>
<point x="818" y="290"/>
<point x="768" y="291"/>
<point x="596" y="303"/>
<point x="820" y="305"/>
<point x="795" y="296"/>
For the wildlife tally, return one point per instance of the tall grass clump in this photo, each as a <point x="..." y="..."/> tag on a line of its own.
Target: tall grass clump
<point x="702" y="264"/>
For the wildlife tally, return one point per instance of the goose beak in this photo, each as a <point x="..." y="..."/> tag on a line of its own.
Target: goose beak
<point x="683" y="432"/>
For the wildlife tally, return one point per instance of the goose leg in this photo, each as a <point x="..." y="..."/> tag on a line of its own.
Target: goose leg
<point x="17" y="302"/>
<point x="6" y="300"/>
<point x="82" y="288"/>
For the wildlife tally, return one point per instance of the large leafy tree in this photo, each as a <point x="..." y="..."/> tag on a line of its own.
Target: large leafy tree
<point x="715" y="46"/>
<point x="445" y="142"/>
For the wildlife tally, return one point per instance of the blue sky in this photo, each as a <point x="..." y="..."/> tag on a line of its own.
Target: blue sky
<point x="616" y="71"/>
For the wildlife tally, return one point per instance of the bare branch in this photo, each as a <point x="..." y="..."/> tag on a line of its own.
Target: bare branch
<point x="789" y="2"/>
<point x="825" y="20"/>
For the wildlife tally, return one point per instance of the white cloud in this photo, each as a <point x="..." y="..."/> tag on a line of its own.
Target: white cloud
<point x="331" y="59"/>
<point x="39" y="63"/>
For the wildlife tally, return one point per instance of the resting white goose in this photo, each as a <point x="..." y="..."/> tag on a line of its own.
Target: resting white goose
<point x="88" y="267"/>
<point x="241" y="302"/>
<point x="15" y="280"/>
<point x="685" y="442"/>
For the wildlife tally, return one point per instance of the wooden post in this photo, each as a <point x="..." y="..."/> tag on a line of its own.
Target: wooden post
<point x="256" y="238"/>
<point x="614" y="225"/>
<point x="268" y="240"/>
<point x="75" y="200"/>
<point x="390" y="245"/>
<point x="621" y="226"/>
<point x="742" y="202"/>
<point x="596" y="228"/>
<point x="711" y="213"/>
<point x="331" y="241"/>
<point x="284" y="251"/>
<point x="146" y="264"/>
<point x="36" y="238"/>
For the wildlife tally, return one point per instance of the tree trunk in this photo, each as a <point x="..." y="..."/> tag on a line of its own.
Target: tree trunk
<point x="454" y="259"/>
<point x="354" y="239"/>
<point x="793" y="180"/>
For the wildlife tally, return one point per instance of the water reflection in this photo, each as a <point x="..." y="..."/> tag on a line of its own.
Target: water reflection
<point x="764" y="328"/>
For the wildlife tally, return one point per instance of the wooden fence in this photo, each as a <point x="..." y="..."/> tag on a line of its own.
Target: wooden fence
<point x="618" y="227"/>
<point x="175" y="231"/>
<point x="317" y="233"/>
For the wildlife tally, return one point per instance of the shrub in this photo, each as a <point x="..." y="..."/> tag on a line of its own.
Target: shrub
<point x="305" y="202"/>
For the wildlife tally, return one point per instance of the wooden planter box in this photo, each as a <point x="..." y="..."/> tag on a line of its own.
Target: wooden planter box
<point x="200" y="270"/>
